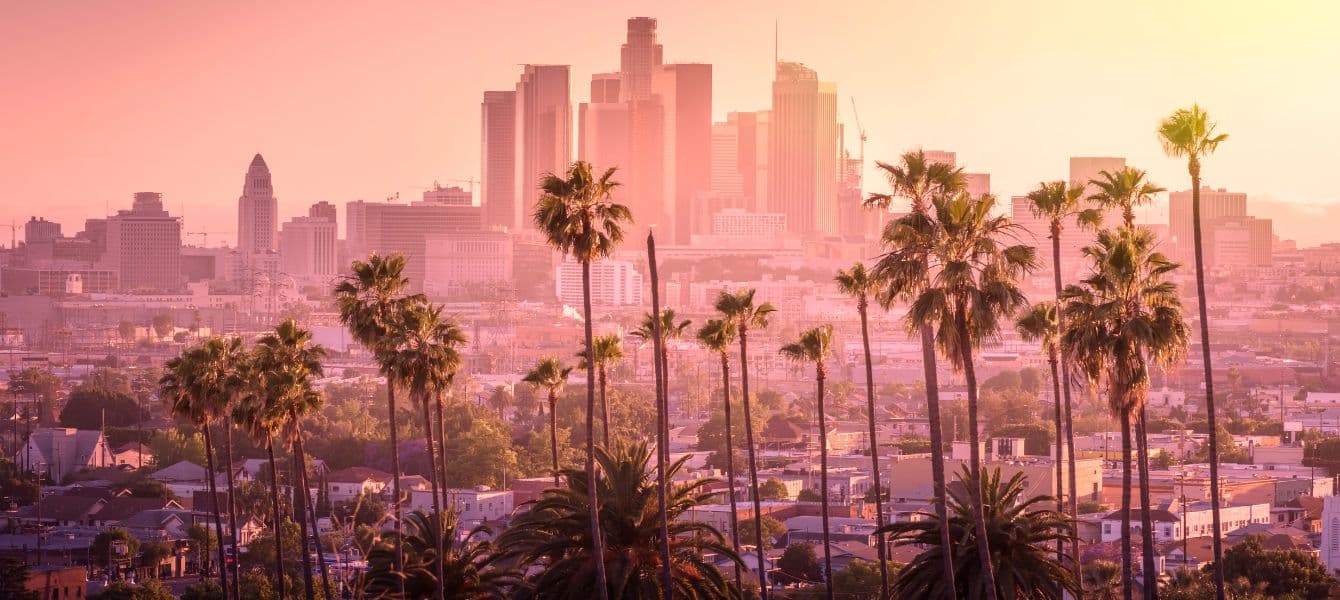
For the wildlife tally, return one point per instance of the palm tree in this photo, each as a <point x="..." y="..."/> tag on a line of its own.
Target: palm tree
<point x="184" y="387"/>
<point x="1190" y="133"/>
<point x="718" y="336"/>
<point x="858" y="283"/>
<point x="292" y="363"/>
<point x="815" y="346"/>
<point x="228" y="369"/>
<point x="1038" y="324"/>
<point x="917" y="180"/>
<point x="608" y="349"/>
<point x="370" y="300"/>
<point x="739" y="309"/>
<point x="550" y="374"/>
<point x="671" y="329"/>
<point x="552" y="534"/>
<point x="1119" y="320"/>
<point x="1059" y="203"/>
<point x="257" y="417"/>
<point x="1020" y="531"/>
<point x="972" y="279"/>
<point x="1125" y="189"/>
<point x="425" y="360"/>
<point x="471" y="568"/>
<point x="579" y="219"/>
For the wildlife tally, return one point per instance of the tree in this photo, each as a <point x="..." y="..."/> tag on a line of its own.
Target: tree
<point x="772" y="530"/>
<point x="972" y="275"/>
<point x="1124" y="189"/>
<point x="154" y="552"/>
<point x="858" y="581"/>
<point x="917" y="180"/>
<point x="1284" y="573"/>
<point x="1189" y="133"/>
<point x="1101" y="580"/>
<point x="206" y="590"/>
<point x="115" y="543"/>
<point x="773" y="489"/>
<point x="151" y="589"/>
<point x="1021" y="530"/>
<point x="1039" y="323"/>
<point x="471" y="569"/>
<point x="201" y="542"/>
<point x="739" y="309"/>
<point x="800" y="564"/>
<point x="717" y="336"/>
<point x="608" y="349"/>
<point x="551" y="374"/>
<point x="1119" y="320"/>
<point x="370" y="300"/>
<point x="552" y="533"/>
<point x="815" y="346"/>
<point x="858" y="283"/>
<point x="579" y="219"/>
<point x="13" y="578"/>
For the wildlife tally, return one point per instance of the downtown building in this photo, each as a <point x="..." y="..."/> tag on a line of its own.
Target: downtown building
<point x="392" y="227"/>
<point x="803" y="151"/>
<point x="308" y="248"/>
<point x="143" y="246"/>
<point x="613" y="283"/>
<point x="1230" y="237"/>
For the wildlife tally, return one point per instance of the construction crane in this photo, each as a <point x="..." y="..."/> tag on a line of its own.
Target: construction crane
<point x="860" y="131"/>
<point x="13" y="234"/>
<point x="470" y="181"/>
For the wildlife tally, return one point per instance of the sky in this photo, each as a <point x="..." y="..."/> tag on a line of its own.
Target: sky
<point x="350" y="100"/>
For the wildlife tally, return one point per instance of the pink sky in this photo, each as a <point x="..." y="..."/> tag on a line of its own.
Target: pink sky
<point x="352" y="100"/>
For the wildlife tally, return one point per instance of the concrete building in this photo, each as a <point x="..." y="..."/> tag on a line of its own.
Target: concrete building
<point x="613" y="283"/>
<point x="323" y="210"/>
<point x="803" y="153"/>
<point x="37" y="230"/>
<point x="543" y="132"/>
<point x="1171" y="517"/>
<point x="738" y="222"/>
<point x="448" y="196"/>
<point x="497" y="136"/>
<point x="684" y="92"/>
<point x="386" y="227"/>
<point x="257" y="211"/>
<point x="144" y="246"/>
<point x="1214" y="204"/>
<point x="638" y="58"/>
<point x="307" y="248"/>
<point x="471" y="505"/>
<point x="465" y="265"/>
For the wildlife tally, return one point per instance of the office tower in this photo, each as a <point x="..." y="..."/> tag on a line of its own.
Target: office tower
<point x="1237" y="241"/>
<point x="543" y="132"/>
<point x="977" y="184"/>
<point x="604" y="130"/>
<point x="740" y="157"/>
<point x="322" y="210"/>
<point x="605" y="88"/>
<point x="257" y="211"/>
<point x="941" y="156"/>
<point x="451" y="195"/>
<point x="685" y="95"/>
<point x="613" y="283"/>
<point x="387" y="227"/>
<point x="37" y="231"/>
<point x="1214" y="204"/>
<point x="638" y="58"/>
<point x="497" y="193"/>
<point x="144" y="246"/>
<point x="307" y="248"/>
<point x="727" y="178"/>
<point x="467" y="265"/>
<point x="803" y="151"/>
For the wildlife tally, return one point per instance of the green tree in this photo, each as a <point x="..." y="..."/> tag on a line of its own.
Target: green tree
<point x="1284" y="573"/>
<point x="551" y="374"/>
<point x="772" y="530"/>
<point x="205" y="590"/>
<point x="13" y="578"/>
<point x="609" y="350"/>
<point x="773" y="489"/>
<point x="799" y="563"/>
<point x="815" y="346"/>
<point x="151" y="589"/>
<point x="471" y="568"/>
<point x="115" y="543"/>
<point x="1124" y="189"/>
<point x="1189" y="133"/>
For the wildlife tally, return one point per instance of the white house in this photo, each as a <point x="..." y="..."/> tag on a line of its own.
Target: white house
<point x="1168" y="519"/>
<point x="62" y="451"/>
<point x="480" y="503"/>
<point x="347" y="484"/>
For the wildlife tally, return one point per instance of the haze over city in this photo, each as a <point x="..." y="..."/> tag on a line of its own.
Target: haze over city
<point x="745" y="300"/>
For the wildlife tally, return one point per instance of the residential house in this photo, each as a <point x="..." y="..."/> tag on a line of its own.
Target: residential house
<point x="348" y="484"/>
<point x="59" y="452"/>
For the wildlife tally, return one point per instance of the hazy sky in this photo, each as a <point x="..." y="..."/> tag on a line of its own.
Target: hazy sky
<point x="352" y="100"/>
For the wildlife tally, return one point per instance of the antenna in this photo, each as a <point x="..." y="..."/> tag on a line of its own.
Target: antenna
<point x="776" y="34"/>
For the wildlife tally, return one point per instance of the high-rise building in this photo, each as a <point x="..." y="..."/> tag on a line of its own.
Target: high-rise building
<point x="1214" y="204"/>
<point x="307" y="248"/>
<point x="467" y="265"/>
<point x="387" y="227"/>
<point x="740" y="157"/>
<point x="450" y="195"/>
<point x="543" y="132"/>
<point x="943" y="157"/>
<point x="322" y="210"/>
<point x="37" y="231"/>
<point x="613" y="283"/>
<point x="144" y="246"/>
<point x="498" y="160"/>
<point x="257" y="211"/>
<point x="977" y="184"/>
<point x="1237" y="242"/>
<point x="685" y="95"/>
<point x="604" y="130"/>
<point x="638" y="58"/>
<point x="803" y="151"/>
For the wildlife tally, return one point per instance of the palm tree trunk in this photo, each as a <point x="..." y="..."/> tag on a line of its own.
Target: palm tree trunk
<point x="1194" y="167"/>
<point x="395" y="479"/>
<point x="1150" y="579"/>
<point x="1065" y="389"/>
<point x="232" y="501"/>
<point x="218" y="519"/>
<point x="975" y="457"/>
<point x="437" y="503"/>
<point x="937" y="455"/>
<point x="597" y="543"/>
<point x="823" y="481"/>
<point x="753" y="461"/>
<point x="861" y="306"/>
<point x="604" y="405"/>
<point x="1060" y="448"/>
<point x="278" y="527"/>
<point x="311" y="513"/>
<point x="663" y="417"/>
<point x="1126" y="570"/>
<point x="730" y="472"/>
<point x="300" y="499"/>
<point x="553" y="432"/>
<point x="442" y="454"/>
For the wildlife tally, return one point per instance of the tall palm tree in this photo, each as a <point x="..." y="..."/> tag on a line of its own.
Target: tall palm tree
<point x="579" y="219"/>
<point x="1189" y="133"/>
<point x="918" y="179"/>
<point x="1125" y="189"/>
<point x="257" y="417"/>
<point x="718" y="336"/>
<point x="1059" y="203"/>
<point x="858" y="283"/>
<point x="671" y="329"/>
<point x="1020" y="530"/>
<point x="551" y="534"/>
<point x="1038" y="323"/>
<point x="815" y="346"/>
<point x="425" y="359"/>
<point x="739" y="309"/>
<point x="608" y="349"/>
<point x="370" y="300"/>
<point x="550" y="374"/>
<point x="1120" y="319"/>
<point x="972" y="276"/>
<point x="227" y="371"/>
<point x="184" y="386"/>
<point x="293" y="362"/>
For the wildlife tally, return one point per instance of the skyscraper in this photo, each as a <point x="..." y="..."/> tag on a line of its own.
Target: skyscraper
<point x="307" y="248"/>
<point x="543" y="132"/>
<point x="322" y="210"/>
<point x="498" y="164"/>
<point x="604" y="131"/>
<point x="144" y="246"/>
<point x="804" y="155"/>
<point x="386" y="227"/>
<point x="1214" y="205"/>
<point x="740" y="157"/>
<point x="257" y="211"/>
<point x="638" y="58"/>
<point x="685" y="95"/>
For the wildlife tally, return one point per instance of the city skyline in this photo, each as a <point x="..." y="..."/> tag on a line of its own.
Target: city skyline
<point x="190" y="145"/>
